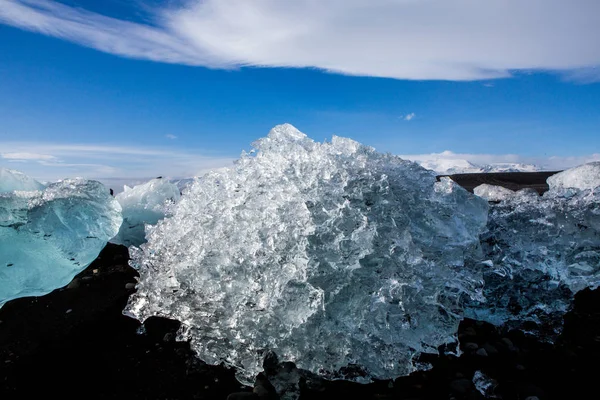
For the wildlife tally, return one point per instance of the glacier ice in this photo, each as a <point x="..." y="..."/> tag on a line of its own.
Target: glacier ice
<point x="586" y="176"/>
<point x="47" y="237"/>
<point x="328" y="254"/>
<point x="542" y="250"/>
<point x="493" y="192"/>
<point x="143" y="205"/>
<point x="11" y="180"/>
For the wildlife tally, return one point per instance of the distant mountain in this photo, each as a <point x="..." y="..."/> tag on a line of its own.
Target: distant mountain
<point x="459" y="166"/>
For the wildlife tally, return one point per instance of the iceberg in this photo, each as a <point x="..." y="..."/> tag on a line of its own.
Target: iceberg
<point x="11" y="180"/>
<point x="47" y="237"/>
<point x="329" y="255"/>
<point x="143" y="205"/>
<point x="542" y="250"/>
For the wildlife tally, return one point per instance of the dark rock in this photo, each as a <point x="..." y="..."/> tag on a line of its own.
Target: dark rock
<point x="491" y="350"/>
<point x="461" y="386"/>
<point x="242" y="396"/>
<point x="470" y="346"/>
<point x="74" y="284"/>
<point x="481" y="352"/>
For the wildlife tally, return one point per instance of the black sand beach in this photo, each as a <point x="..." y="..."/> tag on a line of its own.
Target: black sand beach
<point x="75" y="343"/>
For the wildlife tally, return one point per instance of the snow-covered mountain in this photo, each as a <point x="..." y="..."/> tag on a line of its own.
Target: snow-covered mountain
<point x="444" y="166"/>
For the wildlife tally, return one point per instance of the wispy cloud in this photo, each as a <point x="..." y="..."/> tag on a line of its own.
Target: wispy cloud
<point x="408" y="117"/>
<point x="25" y="156"/>
<point x="407" y="39"/>
<point x="51" y="161"/>
<point x="170" y="136"/>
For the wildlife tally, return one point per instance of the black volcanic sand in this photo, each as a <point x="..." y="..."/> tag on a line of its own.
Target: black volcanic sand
<point x="509" y="180"/>
<point x="75" y="343"/>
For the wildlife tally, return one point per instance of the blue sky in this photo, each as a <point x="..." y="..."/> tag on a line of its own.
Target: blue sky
<point x="135" y="89"/>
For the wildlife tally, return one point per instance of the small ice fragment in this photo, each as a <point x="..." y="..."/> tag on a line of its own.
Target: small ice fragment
<point x="144" y="204"/>
<point x="484" y="384"/>
<point x="493" y="193"/>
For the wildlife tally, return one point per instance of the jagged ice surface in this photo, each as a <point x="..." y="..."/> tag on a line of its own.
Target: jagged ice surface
<point x="542" y="250"/>
<point x="143" y="205"/>
<point x="328" y="254"/>
<point x="47" y="237"/>
<point x="493" y="192"/>
<point x="11" y="180"/>
<point x="586" y="176"/>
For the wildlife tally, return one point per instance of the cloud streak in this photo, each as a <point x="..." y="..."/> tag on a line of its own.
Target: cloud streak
<point x="51" y="161"/>
<point x="405" y="39"/>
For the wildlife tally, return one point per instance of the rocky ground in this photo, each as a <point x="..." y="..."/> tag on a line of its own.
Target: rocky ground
<point x="75" y="343"/>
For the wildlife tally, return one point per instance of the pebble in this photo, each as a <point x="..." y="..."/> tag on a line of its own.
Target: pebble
<point x="481" y="352"/>
<point x="471" y="346"/>
<point x="68" y="311"/>
<point x="169" y="337"/>
<point x="261" y="391"/>
<point x="74" y="284"/>
<point x="242" y="396"/>
<point x="461" y="386"/>
<point x="491" y="350"/>
<point x="130" y="286"/>
<point x="95" y="271"/>
<point x="508" y="343"/>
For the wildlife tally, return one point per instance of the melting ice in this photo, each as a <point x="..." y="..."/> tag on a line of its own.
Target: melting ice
<point x="328" y="254"/>
<point x="48" y="236"/>
<point x="11" y="180"/>
<point x="543" y="249"/>
<point x="143" y="205"/>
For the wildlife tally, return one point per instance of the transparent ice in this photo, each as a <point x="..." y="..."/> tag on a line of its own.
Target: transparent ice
<point x="583" y="177"/>
<point x="47" y="237"/>
<point x="542" y="250"/>
<point x="484" y="385"/>
<point x="143" y="205"/>
<point x="493" y="193"/>
<point x="328" y="254"/>
<point x="11" y="180"/>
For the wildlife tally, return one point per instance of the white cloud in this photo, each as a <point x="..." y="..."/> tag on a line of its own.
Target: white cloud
<point x="406" y="39"/>
<point x="170" y="136"/>
<point x="51" y="161"/>
<point x="408" y="117"/>
<point x="25" y="156"/>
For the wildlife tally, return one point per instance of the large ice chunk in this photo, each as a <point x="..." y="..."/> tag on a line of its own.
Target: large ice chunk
<point x="543" y="249"/>
<point x="47" y="237"/>
<point x="143" y="205"/>
<point x="328" y="254"/>
<point x="586" y="176"/>
<point x="11" y="180"/>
